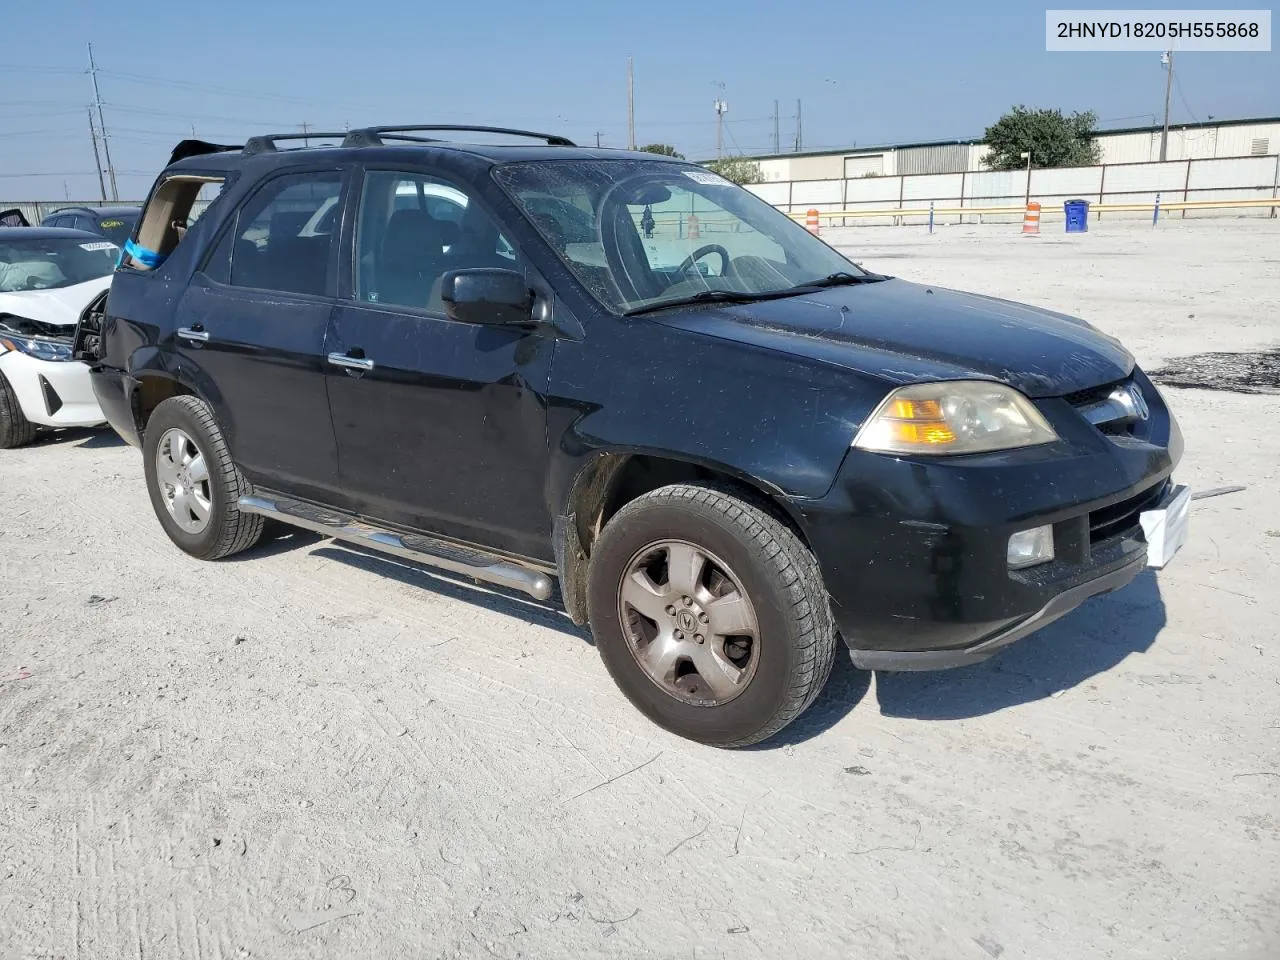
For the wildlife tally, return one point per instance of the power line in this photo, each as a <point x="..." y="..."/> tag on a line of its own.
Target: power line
<point x="11" y="68"/>
<point x="225" y="91"/>
<point x="46" y="132"/>
<point x="188" y="116"/>
<point x="1177" y="84"/>
<point x="47" y="173"/>
<point x="40" y="103"/>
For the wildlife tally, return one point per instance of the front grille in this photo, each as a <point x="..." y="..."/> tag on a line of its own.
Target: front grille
<point x="1082" y="398"/>
<point x="1122" y="518"/>
<point x="1111" y="419"/>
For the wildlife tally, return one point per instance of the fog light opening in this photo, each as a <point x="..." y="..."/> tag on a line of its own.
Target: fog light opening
<point x="1030" y="547"/>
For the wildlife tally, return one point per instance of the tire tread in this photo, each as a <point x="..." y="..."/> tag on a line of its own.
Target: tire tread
<point x="794" y="568"/>
<point x="239" y="531"/>
<point x="15" y="429"/>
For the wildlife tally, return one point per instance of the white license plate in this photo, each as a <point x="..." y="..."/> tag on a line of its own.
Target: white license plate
<point x="1165" y="527"/>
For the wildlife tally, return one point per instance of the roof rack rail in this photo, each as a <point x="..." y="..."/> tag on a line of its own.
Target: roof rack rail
<point x="373" y="136"/>
<point x="267" y="142"/>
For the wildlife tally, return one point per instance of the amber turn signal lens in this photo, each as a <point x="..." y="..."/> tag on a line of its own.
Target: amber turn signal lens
<point x="903" y="409"/>
<point x="923" y="432"/>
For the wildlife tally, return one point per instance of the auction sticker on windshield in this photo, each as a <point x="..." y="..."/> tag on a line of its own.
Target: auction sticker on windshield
<point x="98" y="245"/>
<point x="705" y="176"/>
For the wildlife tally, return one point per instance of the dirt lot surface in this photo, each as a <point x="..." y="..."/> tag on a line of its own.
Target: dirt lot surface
<point x="310" y="752"/>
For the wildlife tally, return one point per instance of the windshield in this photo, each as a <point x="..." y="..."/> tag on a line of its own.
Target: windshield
<point x="640" y="234"/>
<point x="117" y="227"/>
<point x="51" y="262"/>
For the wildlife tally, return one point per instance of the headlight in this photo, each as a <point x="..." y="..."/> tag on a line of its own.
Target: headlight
<point x="958" y="416"/>
<point x="37" y="347"/>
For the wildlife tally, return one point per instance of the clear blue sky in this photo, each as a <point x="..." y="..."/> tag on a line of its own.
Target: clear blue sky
<point x="866" y="73"/>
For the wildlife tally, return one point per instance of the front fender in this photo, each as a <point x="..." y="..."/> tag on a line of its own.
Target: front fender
<point x="778" y="422"/>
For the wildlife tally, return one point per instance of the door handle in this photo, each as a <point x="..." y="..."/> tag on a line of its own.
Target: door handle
<point x="350" y="363"/>
<point x="194" y="334"/>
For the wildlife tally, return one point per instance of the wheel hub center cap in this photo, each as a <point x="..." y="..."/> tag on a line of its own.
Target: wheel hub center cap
<point x="686" y="620"/>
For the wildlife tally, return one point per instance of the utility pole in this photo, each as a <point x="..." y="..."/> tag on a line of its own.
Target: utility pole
<point x="1167" y="59"/>
<point x="597" y="139"/>
<point x="799" y="130"/>
<point x="97" y="160"/>
<point x="721" y="108"/>
<point x="306" y="128"/>
<point x="776" y="148"/>
<point x="631" y="106"/>
<point x="102" y="125"/>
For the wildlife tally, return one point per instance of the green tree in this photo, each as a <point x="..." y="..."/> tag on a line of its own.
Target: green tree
<point x="738" y="169"/>
<point x="1054" y="140"/>
<point x="666" y="149"/>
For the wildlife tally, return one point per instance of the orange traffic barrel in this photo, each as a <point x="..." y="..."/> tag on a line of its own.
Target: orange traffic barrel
<point x="811" y="221"/>
<point x="694" y="234"/>
<point x="1031" y="219"/>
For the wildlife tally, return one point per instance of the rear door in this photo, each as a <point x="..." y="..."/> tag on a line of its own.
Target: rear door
<point x="441" y="425"/>
<point x="251" y="327"/>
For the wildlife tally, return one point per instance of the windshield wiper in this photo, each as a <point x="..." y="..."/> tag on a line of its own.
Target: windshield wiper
<point x="839" y="280"/>
<point x="709" y="296"/>
<point x="739" y="296"/>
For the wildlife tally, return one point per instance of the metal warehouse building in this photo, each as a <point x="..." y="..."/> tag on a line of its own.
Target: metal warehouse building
<point x="1190" y="141"/>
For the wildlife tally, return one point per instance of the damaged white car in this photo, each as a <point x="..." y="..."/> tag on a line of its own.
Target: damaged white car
<point x="47" y="277"/>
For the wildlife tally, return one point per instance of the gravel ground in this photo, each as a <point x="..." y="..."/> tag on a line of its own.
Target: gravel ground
<point x="311" y="752"/>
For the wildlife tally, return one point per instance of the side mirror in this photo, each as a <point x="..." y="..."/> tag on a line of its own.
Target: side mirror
<point x="487" y="295"/>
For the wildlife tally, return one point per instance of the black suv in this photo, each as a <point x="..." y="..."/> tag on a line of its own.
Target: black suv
<point x="725" y="443"/>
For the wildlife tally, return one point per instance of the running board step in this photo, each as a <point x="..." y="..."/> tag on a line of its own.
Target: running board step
<point x="436" y="553"/>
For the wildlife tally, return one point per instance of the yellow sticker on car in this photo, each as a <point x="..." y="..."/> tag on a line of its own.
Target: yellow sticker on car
<point x="108" y="224"/>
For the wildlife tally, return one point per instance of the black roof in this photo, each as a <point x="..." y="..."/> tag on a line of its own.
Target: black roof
<point x="46" y="233"/>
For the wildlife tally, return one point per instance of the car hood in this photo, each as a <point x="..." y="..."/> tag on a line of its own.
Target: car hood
<point x="908" y="333"/>
<point x="61" y="306"/>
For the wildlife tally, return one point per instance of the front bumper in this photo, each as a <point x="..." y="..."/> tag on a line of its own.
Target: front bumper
<point x="913" y="551"/>
<point x="52" y="393"/>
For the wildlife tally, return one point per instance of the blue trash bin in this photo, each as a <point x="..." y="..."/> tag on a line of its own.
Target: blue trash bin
<point x="1077" y="216"/>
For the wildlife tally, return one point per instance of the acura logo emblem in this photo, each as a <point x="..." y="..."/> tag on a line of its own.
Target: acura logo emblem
<point x="1130" y="399"/>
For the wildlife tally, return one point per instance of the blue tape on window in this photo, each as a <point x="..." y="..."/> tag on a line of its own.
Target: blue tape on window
<point x="148" y="258"/>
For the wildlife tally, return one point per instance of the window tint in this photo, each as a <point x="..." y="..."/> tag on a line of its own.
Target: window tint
<point x="413" y="228"/>
<point x="639" y="233"/>
<point x="665" y="228"/>
<point x="117" y="229"/>
<point x="284" y="234"/>
<point x="218" y="265"/>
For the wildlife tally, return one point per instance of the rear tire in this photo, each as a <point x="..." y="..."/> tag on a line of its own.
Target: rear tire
<point x="15" y="429"/>
<point x="749" y="672"/>
<point x="193" y="482"/>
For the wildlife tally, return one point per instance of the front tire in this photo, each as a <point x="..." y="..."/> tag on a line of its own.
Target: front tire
<point x="193" y="482"/>
<point x="710" y="614"/>
<point x="15" y="429"/>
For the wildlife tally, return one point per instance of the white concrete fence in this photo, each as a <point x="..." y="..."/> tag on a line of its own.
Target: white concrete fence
<point x="969" y="197"/>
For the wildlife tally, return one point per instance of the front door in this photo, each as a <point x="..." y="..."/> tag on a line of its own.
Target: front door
<point x="251" y="326"/>
<point x="441" y="425"/>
